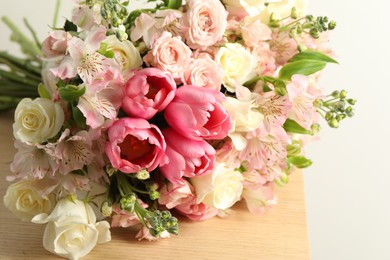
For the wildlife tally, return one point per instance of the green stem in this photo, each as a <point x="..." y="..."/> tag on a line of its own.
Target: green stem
<point x="16" y="78"/>
<point x="15" y="68"/>
<point x="21" y="63"/>
<point x="286" y="27"/>
<point x="56" y="11"/>
<point x="33" y="33"/>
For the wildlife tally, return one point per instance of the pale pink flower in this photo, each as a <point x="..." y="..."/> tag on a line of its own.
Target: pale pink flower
<point x="302" y="95"/>
<point x="283" y="46"/>
<point x="150" y="26"/>
<point x="85" y="17"/>
<point x="148" y="92"/>
<point x="196" y="211"/>
<point x="259" y="197"/>
<point x="204" y="23"/>
<point x="83" y="59"/>
<point x="186" y="157"/>
<point x="144" y="233"/>
<point x="204" y="72"/>
<point x="169" y="54"/>
<point x="267" y="62"/>
<point x="254" y="32"/>
<point x="174" y="194"/>
<point x="134" y="144"/>
<point x="197" y="113"/>
<point x="56" y="44"/>
<point x="72" y="183"/>
<point x="34" y="161"/>
<point x="275" y="109"/>
<point x="123" y="218"/>
<point x="265" y="148"/>
<point x="74" y="152"/>
<point x="226" y="152"/>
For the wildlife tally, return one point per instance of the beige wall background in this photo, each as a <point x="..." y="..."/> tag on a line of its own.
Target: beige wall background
<point x="347" y="188"/>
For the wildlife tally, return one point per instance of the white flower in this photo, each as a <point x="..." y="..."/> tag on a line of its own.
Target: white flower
<point x="37" y="120"/>
<point x="26" y="199"/>
<point x="219" y="189"/>
<point x="125" y="53"/>
<point x="251" y="7"/>
<point x="72" y="231"/>
<point x="237" y="63"/>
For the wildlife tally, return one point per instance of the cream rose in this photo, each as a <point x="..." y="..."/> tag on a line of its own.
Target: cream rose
<point x="242" y="7"/>
<point x="72" y="231"/>
<point x="125" y="53"/>
<point x="25" y="200"/>
<point x="37" y="120"/>
<point x="237" y="63"/>
<point x="219" y="189"/>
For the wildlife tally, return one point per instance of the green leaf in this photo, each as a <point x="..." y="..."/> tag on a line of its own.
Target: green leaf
<point x="173" y="4"/>
<point x="70" y="27"/>
<point x="300" y="161"/>
<point x="43" y="91"/>
<point x="71" y="92"/>
<point x="304" y="67"/>
<point x="312" y="55"/>
<point x="79" y="118"/>
<point x="292" y="126"/>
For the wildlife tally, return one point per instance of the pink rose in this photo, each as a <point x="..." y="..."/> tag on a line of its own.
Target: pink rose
<point x="169" y="54"/>
<point x="204" y="72"/>
<point x="134" y="144"/>
<point x="197" y="113"/>
<point x="149" y="91"/>
<point x="204" y="23"/>
<point x="174" y="194"/>
<point x="186" y="157"/>
<point x="55" y="44"/>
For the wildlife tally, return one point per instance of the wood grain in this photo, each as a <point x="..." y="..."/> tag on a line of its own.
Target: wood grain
<point x="281" y="233"/>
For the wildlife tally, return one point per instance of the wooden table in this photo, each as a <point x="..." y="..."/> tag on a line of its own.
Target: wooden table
<point x="279" y="234"/>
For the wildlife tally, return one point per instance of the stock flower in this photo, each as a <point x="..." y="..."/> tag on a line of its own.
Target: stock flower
<point x="125" y="53"/>
<point x="186" y="157"/>
<point x="203" y="71"/>
<point x="204" y="23"/>
<point x="55" y="44"/>
<point x="25" y="199"/>
<point x="37" y="120"/>
<point x="134" y="144"/>
<point x="169" y="54"/>
<point x="197" y="113"/>
<point x="174" y="194"/>
<point x="149" y="91"/>
<point x="237" y="63"/>
<point x="221" y="188"/>
<point x="71" y="230"/>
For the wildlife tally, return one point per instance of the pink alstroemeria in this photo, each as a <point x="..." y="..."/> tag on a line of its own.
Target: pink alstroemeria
<point x="74" y="152"/>
<point x="302" y="95"/>
<point x="259" y="197"/>
<point x="83" y="59"/>
<point x="174" y="194"/>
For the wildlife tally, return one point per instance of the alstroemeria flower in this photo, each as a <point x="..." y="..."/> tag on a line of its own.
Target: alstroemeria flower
<point x="83" y="59"/>
<point x="134" y="144"/>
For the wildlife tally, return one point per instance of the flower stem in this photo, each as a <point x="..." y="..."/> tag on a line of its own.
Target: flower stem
<point x="56" y="11"/>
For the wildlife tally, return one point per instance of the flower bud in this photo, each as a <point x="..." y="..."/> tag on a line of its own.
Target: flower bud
<point x="294" y="13"/>
<point x="106" y="208"/>
<point x="127" y="203"/>
<point x="154" y="195"/>
<point x="343" y="94"/>
<point x="334" y="123"/>
<point x="142" y="175"/>
<point x="331" y="25"/>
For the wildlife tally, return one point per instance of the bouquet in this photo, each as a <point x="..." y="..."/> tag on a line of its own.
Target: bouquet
<point x="129" y="117"/>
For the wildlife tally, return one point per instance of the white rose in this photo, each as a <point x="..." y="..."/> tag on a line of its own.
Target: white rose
<point x="219" y="189"/>
<point x="72" y="231"/>
<point x="25" y="200"/>
<point x="282" y="9"/>
<point x="125" y="53"/>
<point x="37" y="120"/>
<point x="237" y="63"/>
<point x="251" y="7"/>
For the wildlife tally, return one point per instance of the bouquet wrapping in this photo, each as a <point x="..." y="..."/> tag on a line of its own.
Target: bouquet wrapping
<point x="129" y="117"/>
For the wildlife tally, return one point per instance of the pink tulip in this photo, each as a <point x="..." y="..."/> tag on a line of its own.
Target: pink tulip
<point x="149" y="91"/>
<point x="134" y="144"/>
<point x="197" y="113"/>
<point x="186" y="157"/>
